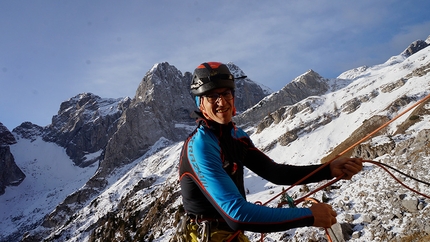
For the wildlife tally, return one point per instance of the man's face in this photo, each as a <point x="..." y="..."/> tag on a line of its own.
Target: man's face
<point x="218" y="105"/>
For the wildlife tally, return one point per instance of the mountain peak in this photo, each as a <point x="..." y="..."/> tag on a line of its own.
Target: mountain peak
<point x="414" y="47"/>
<point x="309" y="77"/>
<point x="235" y="70"/>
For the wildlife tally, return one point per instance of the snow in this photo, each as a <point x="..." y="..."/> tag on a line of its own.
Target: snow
<point x="51" y="175"/>
<point x="93" y="155"/>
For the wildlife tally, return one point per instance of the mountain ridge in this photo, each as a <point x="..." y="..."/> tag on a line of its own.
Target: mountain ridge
<point x="138" y="169"/>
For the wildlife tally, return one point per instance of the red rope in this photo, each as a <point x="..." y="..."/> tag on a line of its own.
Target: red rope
<point x="395" y="178"/>
<point x="342" y="153"/>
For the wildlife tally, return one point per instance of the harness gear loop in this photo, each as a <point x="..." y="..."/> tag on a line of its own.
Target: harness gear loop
<point x="204" y="231"/>
<point x="181" y="230"/>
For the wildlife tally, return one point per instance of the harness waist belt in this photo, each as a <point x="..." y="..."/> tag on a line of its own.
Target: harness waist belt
<point x="216" y="223"/>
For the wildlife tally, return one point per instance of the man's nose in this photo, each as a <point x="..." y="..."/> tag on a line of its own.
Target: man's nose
<point x="220" y="100"/>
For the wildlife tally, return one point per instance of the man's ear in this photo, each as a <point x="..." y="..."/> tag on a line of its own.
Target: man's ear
<point x="202" y="109"/>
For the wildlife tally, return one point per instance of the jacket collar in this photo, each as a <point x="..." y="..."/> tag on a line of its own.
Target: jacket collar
<point x="212" y="125"/>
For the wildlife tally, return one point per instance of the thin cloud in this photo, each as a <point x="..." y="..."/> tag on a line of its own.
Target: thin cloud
<point x="59" y="50"/>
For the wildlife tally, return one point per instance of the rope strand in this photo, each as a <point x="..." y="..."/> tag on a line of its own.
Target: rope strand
<point x="395" y="178"/>
<point x="426" y="98"/>
<point x="343" y="153"/>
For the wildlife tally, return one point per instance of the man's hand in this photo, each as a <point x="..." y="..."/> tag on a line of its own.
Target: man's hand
<point x="324" y="215"/>
<point x="346" y="167"/>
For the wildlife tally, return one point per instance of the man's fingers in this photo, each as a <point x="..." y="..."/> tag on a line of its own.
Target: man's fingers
<point x="324" y="215"/>
<point x="352" y="167"/>
<point x="333" y="220"/>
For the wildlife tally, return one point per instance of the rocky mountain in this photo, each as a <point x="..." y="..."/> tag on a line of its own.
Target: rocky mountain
<point x="415" y="47"/>
<point x="133" y="194"/>
<point x="10" y="174"/>
<point x="6" y="137"/>
<point x="83" y="126"/>
<point x="308" y="84"/>
<point x="247" y="91"/>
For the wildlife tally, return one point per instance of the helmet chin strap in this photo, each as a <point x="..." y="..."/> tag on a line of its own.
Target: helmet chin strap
<point x="198" y="101"/>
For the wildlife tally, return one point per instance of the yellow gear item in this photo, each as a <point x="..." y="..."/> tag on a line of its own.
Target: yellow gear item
<point x="216" y="235"/>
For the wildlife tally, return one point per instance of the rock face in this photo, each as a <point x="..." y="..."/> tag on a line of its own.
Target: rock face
<point x="10" y="174"/>
<point x="6" y="137"/>
<point x="308" y="84"/>
<point x="415" y="47"/>
<point x="153" y="113"/>
<point x="247" y="93"/>
<point x="84" y="125"/>
<point x="28" y="130"/>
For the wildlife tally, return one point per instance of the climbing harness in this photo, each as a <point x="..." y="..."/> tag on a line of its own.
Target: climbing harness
<point x="293" y="203"/>
<point x="200" y="229"/>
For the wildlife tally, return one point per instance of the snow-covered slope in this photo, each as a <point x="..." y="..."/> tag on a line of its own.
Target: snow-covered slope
<point x="370" y="86"/>
<point x="50" y="177"/>
<point x="372" y="205"/>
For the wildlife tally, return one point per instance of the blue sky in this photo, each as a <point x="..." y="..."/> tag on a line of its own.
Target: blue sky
<point x="54" y="50"/>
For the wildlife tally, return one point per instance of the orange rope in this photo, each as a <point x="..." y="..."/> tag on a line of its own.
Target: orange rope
<point x="340" y="154"/>
<point x="345" y="151"/>
<point x="326" y="229"/>
<point x="233" y="236"/>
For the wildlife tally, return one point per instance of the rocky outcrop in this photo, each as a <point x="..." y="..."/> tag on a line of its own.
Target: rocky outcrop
<point x="161" y="108"/>
<point x="405" y="153"/>
<point x="353" y="104"/>
<point x="6" y="137"/>
<point x="308" y="84"/>
<point x="28" y="130"/>
<point x="84" y="124"/>
<point x="10" y="174"/>
<point x="247" y="93"/>
<point x="368" y="126"/>
<point x="415" y="47"/>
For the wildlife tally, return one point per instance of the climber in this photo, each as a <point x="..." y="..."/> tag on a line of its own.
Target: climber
<point x="211" y="171"/>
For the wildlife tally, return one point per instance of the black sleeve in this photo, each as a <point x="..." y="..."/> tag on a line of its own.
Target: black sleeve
<point x="282" y="174"/>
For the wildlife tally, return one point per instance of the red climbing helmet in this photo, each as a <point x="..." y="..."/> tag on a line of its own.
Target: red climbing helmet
<point x="211" y="75"/>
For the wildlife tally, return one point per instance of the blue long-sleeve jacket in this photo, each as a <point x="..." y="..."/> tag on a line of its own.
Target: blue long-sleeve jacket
<point x="211" y="179"/>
